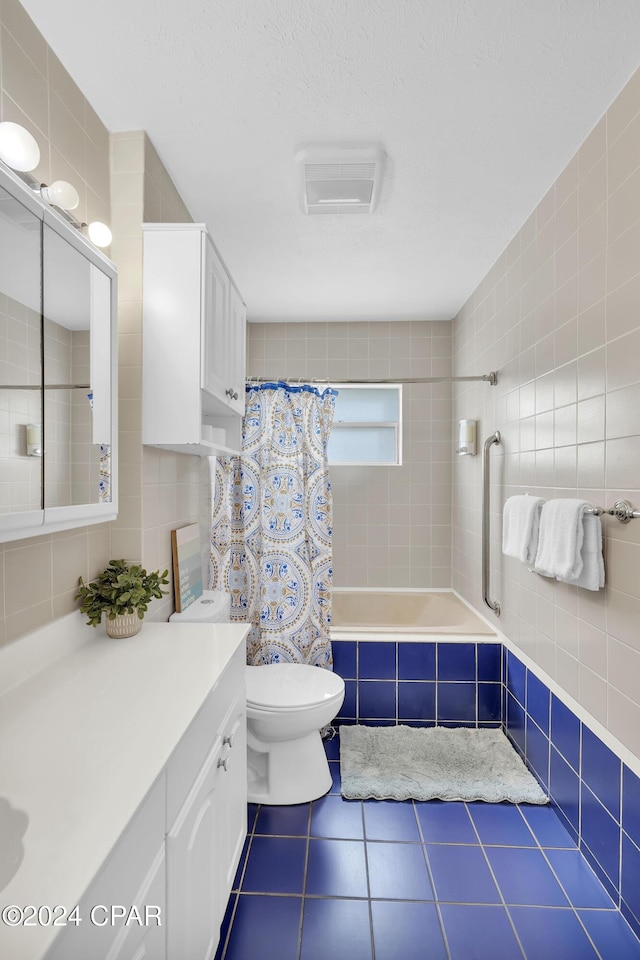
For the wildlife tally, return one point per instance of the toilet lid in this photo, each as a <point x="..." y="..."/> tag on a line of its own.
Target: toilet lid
<point x="281" y="685"/>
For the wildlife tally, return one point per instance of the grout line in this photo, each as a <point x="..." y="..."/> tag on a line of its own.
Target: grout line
<point x="225" y="945"/>
<point x="304" y="880"/>
<point x="490" y="868"/>
<point x="431" y="881"/>
<point x="462" y="903"/>
<point x="366" y="868"/>
<point x="571" y="904"/>
<point x="620" y="811"/>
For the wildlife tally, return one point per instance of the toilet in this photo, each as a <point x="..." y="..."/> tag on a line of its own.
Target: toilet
<point x="287" y="706"/>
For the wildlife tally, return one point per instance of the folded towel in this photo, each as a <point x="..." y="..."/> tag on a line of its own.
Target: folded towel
<point x="520" y="524"/>
<point x="570" y="544"/>
<point x="592" y="575"/>
<point x="560" y="539"/>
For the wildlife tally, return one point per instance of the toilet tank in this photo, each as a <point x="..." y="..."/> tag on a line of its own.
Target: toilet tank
<point x="214" y="606"/>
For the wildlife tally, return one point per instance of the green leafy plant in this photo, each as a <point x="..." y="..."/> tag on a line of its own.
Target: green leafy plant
<point x="120" y="588"/>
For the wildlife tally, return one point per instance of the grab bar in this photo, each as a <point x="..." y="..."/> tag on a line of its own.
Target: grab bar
<point x="486" y="523"/>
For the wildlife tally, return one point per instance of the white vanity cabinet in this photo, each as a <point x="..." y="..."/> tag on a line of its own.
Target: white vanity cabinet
<point x="194" y="336"/>
<point x="174" y="861"/>
<point x="205" y="842"/>
<point x="134" y="875"/>
<point x="232" y="814"/>
<point x="146" y="941"/>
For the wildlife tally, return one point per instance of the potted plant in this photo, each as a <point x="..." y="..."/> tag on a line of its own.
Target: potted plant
<point x="123" y="591"/>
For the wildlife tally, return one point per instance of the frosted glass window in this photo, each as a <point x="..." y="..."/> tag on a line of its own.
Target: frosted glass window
<point x="367" y="425"/>
<point x="362" y="445"/>
<point x="366" y="404"/>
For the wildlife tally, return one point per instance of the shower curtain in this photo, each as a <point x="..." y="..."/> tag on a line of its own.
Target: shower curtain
<point x="271" y="525"/>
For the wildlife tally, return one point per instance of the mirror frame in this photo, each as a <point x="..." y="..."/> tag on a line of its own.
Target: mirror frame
<point x="35" y="523"/>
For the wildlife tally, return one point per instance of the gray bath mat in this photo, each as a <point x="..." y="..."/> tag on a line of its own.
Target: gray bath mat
<point x="418" y="763"/>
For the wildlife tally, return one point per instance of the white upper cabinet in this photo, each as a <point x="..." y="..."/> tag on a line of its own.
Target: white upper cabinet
<point x="194" y="334"/>
<point x="237" y="327"/>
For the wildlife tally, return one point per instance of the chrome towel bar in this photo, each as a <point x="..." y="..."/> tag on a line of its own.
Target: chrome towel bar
<point x="486" y="522"/>
<point x="621" y="510"/>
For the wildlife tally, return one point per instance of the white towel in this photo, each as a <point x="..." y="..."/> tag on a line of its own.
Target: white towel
<point x="570" y="544"/>
<point x="520" y="525"/>
<point x="592" y="575"/>
<point x="560" y="539"/>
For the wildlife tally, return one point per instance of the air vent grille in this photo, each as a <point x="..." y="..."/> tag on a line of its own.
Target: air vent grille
<point x="340" y="171"/>
<point x="339" y="179"/>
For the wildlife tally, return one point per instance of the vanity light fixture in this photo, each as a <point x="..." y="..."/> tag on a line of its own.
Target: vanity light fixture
<point x="60" y="194"/>
<point x="99" y="233"/>
<point x="20" y="152"/>
<point x="18" y="149"/>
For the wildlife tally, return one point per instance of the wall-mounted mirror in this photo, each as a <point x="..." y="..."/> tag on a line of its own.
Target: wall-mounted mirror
<point x="58" y="426"/>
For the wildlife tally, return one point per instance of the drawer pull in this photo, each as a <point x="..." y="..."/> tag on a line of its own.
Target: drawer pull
<point x="231" y="393"/>
<point x="228" y="740"/>
<point x="223" y="763"/>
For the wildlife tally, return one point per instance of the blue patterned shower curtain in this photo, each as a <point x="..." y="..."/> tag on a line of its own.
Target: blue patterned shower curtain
<point x="272" y="524"/>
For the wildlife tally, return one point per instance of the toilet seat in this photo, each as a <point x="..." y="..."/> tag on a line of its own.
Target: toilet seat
<point x="279" y="687"/>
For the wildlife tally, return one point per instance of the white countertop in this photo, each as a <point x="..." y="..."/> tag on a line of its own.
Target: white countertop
<point x="83" y="740"/>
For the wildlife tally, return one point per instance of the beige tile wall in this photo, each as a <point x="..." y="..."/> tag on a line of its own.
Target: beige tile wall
<point x="38" y="577"/>
<point x="559" y="316"/>
<point x="121" y="183"/>
<point x="21" y="479"/>
<point x="391" y="524"/>
<point x="160" y="490"/>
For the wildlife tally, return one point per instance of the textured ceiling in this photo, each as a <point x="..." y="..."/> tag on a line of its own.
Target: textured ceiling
<point x="479" y="104"/>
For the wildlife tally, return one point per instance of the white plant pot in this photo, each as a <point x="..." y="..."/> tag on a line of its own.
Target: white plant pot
<point x="124" y="625"/>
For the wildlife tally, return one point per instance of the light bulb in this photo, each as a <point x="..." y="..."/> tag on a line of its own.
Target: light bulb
<point x="62" y="194"/>
<point x="18" y="149"/>
<point x="99" y="234"/>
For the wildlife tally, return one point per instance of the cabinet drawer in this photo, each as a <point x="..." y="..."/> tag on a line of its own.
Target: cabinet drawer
<point x="187" y="759"/>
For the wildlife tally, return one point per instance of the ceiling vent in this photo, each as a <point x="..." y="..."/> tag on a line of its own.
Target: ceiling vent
<point x="339" y="179"/>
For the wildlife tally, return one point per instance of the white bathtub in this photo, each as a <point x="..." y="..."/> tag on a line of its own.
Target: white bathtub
<point x="406" y="612"/>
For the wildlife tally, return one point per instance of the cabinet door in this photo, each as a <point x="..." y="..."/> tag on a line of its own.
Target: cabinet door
<point x="143" y="935"/>
<point x="215" y="326"/>
<point x="232" y="817"/>
<point x="133" y="874"/>
<point x="237" y="340"/>
<point x="195" y="901"/>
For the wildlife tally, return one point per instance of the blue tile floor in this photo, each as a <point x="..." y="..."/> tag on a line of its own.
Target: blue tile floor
<point x="381" y="880"/>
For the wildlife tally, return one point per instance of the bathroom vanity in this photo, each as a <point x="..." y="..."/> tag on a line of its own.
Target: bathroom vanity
<point x="122" y="789"/>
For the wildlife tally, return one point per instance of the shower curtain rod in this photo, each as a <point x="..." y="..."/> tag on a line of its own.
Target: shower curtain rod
<point x="491" y="378"/>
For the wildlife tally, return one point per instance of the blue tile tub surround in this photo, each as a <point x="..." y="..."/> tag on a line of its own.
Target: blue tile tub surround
<point x="420" y="683"/>
<point x="447" y="881"/>
<point x="596" y="795"/>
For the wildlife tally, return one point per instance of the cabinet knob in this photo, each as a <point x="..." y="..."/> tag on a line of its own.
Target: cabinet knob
<point x="224" y="763"/>
<point x="231" y="393"/>
<point x="228" y="740"/>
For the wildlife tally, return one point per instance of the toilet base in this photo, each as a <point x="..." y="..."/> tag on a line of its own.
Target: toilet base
<point x="287" y="771"/>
